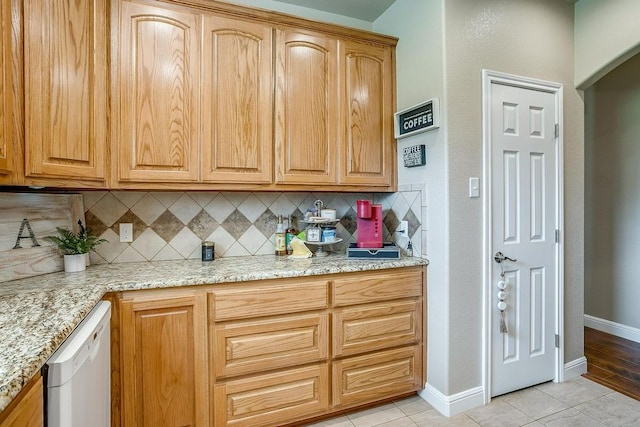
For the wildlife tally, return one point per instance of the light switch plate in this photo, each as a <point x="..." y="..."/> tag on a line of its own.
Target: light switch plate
<point x="474" y="187"/>
<point x="126" y="232"/>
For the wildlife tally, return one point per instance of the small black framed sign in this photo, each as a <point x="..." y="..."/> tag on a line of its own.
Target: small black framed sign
<point x="419" y="118"/>
<point x="413" y="156"/>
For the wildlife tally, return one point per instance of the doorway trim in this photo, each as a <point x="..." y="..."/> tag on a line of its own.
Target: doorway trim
<point x="488" y="78"/>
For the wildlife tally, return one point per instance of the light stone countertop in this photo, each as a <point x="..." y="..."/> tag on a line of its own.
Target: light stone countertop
<point x="37" y="314"/>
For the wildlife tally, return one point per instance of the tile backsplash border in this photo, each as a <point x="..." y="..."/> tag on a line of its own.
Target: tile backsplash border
<point x="172" y="225"/>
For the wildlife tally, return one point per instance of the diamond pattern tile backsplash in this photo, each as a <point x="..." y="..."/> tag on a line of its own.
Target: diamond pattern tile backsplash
<point x="172" y="225"/>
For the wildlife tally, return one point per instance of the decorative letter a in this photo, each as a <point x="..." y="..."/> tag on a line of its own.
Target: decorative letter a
<point x="25" y="222"/>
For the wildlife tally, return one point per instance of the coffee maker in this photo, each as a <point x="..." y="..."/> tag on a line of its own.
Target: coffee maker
<point x="369" y="222"/>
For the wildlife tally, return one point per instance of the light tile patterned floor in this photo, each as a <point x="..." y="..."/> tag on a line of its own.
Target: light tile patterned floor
<point x="577" y="402"/>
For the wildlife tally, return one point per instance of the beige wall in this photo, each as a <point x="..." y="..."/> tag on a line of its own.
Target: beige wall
<point x="528" y="38"/>
<point x="419" y="64"/>
<point x="607" y="33"/>
<point x="612" y="199"/>
<point x="305" y="12"/>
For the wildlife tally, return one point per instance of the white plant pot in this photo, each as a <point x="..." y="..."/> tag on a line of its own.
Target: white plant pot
<point x="73" y="263"/>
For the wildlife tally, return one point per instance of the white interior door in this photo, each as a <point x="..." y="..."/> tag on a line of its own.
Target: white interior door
<point x="524" y="211"/>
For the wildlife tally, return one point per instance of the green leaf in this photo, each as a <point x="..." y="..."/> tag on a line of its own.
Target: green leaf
<point x="70" y="243"/>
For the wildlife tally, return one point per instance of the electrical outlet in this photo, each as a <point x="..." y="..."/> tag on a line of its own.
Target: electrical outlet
<point x="403" y="228"/>
<point x="126" y="232"/>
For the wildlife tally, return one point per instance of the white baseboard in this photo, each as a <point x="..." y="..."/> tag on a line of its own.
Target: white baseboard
<point x="454" y="404"/>
<point x="474" y="397"/>
<point x="575" y="368"/>
<point x="613" y="328"/>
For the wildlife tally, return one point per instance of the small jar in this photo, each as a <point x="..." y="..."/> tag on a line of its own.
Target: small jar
<point x="328" y="234"/>
<point x="208" y="252"/>
<point x="314" y="234"/>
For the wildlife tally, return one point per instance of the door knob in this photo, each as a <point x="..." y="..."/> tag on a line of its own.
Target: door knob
<point x="499" y="257"/>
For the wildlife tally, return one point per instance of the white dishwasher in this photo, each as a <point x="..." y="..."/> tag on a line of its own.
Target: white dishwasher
<point x="78" y="374"/>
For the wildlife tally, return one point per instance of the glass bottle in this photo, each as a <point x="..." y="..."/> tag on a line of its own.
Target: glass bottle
<point x="280" y="238"/>
<point x="291" y="232"/>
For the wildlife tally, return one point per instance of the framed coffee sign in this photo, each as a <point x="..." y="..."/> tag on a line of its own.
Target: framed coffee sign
<point x="414" y="156"/>
<point x="419" y="118"/>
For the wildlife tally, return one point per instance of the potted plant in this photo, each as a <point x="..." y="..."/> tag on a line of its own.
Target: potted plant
<point x="75" y="246"/>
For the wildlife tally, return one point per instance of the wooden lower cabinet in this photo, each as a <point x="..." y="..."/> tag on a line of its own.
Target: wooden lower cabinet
<point x="269" y="352"/>
<point x="377" y="336"/>
<point x="273" y="399"/>
<point x="163" y="361"/>
<point x="27" y="409"/>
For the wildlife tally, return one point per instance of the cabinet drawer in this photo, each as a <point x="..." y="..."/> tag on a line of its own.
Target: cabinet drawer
<point x="383" y="286"/>
<point x="385" y="374"/>
<point x="228" y="304"/>
<point x="361" y="329"/>
<point x="272" y="399"/>
<point x="257" y="346"/>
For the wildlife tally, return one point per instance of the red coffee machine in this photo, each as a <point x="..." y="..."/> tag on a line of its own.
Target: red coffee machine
<point x="369" y="220"/>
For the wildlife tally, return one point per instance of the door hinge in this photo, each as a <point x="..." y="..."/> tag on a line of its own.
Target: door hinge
<point x="557" y="130"/>
<point x="557" y="341"/>
<point x="557" y="236"/>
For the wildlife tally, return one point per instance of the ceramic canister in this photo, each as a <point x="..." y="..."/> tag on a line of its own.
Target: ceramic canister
<point x="328" y="214"/>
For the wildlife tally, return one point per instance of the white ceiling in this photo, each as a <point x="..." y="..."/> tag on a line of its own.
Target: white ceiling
<point x="366" y="10"/>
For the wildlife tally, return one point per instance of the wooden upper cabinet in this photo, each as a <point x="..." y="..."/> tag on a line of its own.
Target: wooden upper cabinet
<point x="237" y="101"/>
<point x="306" y="108"/>
<point x="158" y="105"/>
<point x="368" y="149"/>
<point x="65" y="71"/>
<point x="217" y="96"/>
<point x="6" y="91"/>
<point x="164" y="361"/>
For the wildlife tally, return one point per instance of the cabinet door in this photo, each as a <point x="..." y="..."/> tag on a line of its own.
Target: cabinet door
<point x="368" y="150"/>
<point x="164" y="368"/>
<point x="158" y="107"/>
<point x="6" y="91"/>
<point x="27" y="409"/>
<point x="306" y="106"/>
<point x="237" y="101"/>
<point x="65" y="66"/>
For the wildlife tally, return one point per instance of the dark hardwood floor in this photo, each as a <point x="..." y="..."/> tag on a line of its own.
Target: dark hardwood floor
<point x="613" y="362"/>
